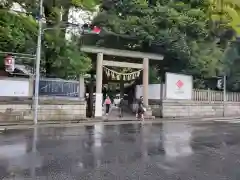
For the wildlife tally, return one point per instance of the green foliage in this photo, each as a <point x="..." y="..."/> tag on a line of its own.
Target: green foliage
<point x="177" y="29"/>
<point x="153" y="76"/>
<point x="225" y="17"/>
<point x="64" y="57"/>
<point x="231" y="61"/>
<point x="30" y="5"/>
<point x="18" y="33"/>
<point x="226" y="12"/>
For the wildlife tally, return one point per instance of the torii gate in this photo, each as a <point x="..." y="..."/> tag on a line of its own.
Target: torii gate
<point x="101" y="51"/>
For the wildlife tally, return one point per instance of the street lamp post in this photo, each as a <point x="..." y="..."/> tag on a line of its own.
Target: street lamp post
<point x="224" y="93"/>
<point x="38" y="60"/>
<point x="94" y="30"/>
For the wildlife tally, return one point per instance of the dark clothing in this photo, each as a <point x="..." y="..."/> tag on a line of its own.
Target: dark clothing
<point x="120" y="112"/>
<point x="121" y="103"/>
<point x="140" y="106"/>
<point x="121" y="108"/>
<point x="107" y="108"/>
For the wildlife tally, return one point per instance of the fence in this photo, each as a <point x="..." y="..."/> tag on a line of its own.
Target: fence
<point x="61" y="88"/>
<point x="154" y="93"/>
<point x="209" y="95"/>
<point x="19" y="87"/>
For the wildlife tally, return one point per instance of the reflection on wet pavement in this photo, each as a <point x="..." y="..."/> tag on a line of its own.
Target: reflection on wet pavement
<point x="166" y="151"/>
<point x="177" y="138"/>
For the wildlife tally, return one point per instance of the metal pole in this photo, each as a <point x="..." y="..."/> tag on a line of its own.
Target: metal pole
<point x="38" y="59"/>
<point x="224" y="93"/>
<point x="224" y="88"/>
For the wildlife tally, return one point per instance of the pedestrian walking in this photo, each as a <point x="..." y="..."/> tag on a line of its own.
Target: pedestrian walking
<point x="107" y="103"/>
<point x="121" y="103"/>
<point x="140" y="109"/>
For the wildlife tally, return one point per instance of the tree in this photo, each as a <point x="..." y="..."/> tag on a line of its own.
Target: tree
<point x="57" y="50"/>
<point x="53" y="7"/>
<point x="231" y="60"/>
<point x="53" y="11"/>
<point x="225" y="19"/>
<point x="19" y="38"/>
<point x="64" y="58"/>
<point x="18" y="33"/>
<point x="225" y="16"/>
<point x="176" y="29"/>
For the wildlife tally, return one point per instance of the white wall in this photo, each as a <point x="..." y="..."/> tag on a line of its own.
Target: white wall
<point x="154" y="91"/>
<point x="173" y="91"/>
<point x="14" y="87"/>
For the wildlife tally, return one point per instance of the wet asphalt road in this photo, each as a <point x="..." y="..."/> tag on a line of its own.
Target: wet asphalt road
<point x="168" y="151"/>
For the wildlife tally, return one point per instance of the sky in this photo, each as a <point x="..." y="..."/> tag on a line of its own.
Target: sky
<point x="78" y="16"/>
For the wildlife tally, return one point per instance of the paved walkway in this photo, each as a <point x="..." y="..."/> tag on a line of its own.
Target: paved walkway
<point x="115" y="115"/>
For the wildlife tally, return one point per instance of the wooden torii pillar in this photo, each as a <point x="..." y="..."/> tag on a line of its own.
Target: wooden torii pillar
<point x="100" y="51"/>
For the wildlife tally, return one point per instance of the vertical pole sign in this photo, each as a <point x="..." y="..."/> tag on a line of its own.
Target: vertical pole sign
<point x="9" y="62"/>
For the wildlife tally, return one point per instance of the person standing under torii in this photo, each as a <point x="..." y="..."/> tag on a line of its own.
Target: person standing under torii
<point x="107" y="103"/>
<point x="121" y="104"/>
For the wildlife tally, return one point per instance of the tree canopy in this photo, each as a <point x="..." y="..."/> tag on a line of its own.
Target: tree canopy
<point x="226" y="13"/>
<point x="177" y="29"/>
<point x="225" y="16"/>
<point x="186" y="32"/>
<point x="60" y="57"/>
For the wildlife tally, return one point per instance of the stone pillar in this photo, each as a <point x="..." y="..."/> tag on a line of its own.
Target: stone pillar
<point x="148" y="113"/>
<point x="81" y="88"/>
<point x="145" y="81"/>
<point x="99" y="97"/>
<point x="161" y="92"/>
<point x="90" y="99"/>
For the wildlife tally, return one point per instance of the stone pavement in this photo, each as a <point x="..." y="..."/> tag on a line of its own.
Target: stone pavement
<point x="114" y="114"/>
<point x="159" y="151"/>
